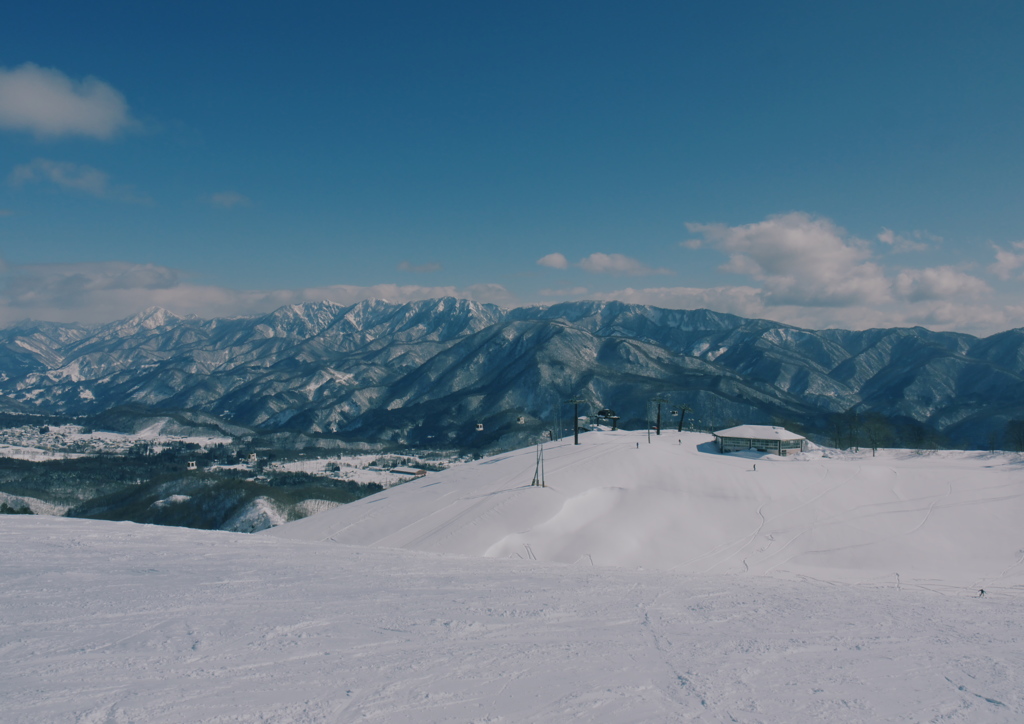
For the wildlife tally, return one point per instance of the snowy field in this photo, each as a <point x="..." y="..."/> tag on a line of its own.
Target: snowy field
<point x="359" y="468"/>
<point x="71" y="441"/>
<point x="943" y="520"/>
<point x="662" y="583"/>
<point x="117" y="622"/>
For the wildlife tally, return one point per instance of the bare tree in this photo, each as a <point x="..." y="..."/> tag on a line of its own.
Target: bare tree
<point x="877" y="431"/>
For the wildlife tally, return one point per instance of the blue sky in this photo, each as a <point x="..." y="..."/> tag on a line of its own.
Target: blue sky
<point x="848" y="164"/>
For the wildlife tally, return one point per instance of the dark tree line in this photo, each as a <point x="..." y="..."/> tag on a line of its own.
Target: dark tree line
<point x="1015" y="435"/>
<point x="874" y="430"/>
<point x="6" y="509"/>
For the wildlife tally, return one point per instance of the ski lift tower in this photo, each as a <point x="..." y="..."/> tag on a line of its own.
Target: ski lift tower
<point x="659" y="401"/>
<point x="681" y="410"/>
<point x="575" y="402"/>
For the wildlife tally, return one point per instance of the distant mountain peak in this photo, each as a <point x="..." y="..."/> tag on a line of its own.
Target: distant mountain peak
<point x="149" y="318"/>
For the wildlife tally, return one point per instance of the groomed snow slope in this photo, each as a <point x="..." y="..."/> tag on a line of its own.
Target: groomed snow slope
<point x="113" y="623"/>
<point x="944" y="520"/>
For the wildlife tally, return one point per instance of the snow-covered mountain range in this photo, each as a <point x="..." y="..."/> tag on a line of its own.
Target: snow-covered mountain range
<point x="426" y="373"/>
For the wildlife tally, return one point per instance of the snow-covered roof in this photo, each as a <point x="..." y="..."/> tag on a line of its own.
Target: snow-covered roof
<point x="408" y="471"/>
<point x="759" y="432"/>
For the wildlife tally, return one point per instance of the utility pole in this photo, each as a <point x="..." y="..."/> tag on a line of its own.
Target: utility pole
<point x="575" y="402"/>
<point x="538" y="472"/>
<point x="657" y="425"/>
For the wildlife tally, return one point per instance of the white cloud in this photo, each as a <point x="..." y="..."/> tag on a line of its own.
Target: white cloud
<point x="564" y="293"/>
<point x="742" y="301"/>
<point x="915" y="242"/>
<point x="229" y="199"/>
<point x="939" y="283"/>
<point x="1007" y="262"/>
<point x="555" y="261"/>
<point x="599" y="263"/>
<point x="47" y="103"/>
<point x="810" y="273"/>
<point x="427" y="268"/>
<point x="105" y="291"/>
<point x="77" y="177"/>
<point x="801" y="260"/>
<point x="939" y="314"/>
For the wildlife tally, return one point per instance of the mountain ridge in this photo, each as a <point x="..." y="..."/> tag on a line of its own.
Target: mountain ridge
<point x="429" y="371"/>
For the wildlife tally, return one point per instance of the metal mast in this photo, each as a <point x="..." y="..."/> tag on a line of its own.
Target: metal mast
<point x="657" y="425"/>
<point x="575" y="402"/>
<point x="538" y="472"/>
<point x="683" y="409"/>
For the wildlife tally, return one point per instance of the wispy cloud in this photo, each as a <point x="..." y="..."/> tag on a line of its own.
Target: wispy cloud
<point x="229" y="199"/>
<point x="1008" y="263"/>
<point x="101" y="292"/>
<point x="48" y="104"/>
<point x="574" y="292"/>
<point x="914" y="241"/>
<point x="600" y="263"/>
<point x="976" y="316"/>
<point x="6" y="212"/>
<point x="427" y="268"/>
<point x="742" y="301"/>
<point x="73" y="176"/>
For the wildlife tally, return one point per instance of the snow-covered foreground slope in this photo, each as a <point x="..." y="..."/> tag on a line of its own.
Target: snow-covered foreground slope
<point x="944" y="520"/>
<point x="118" y="622"/>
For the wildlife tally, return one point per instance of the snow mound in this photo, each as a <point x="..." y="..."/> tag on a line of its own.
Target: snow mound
<point x="258" y="515"/>
<point x="949" y="520"/>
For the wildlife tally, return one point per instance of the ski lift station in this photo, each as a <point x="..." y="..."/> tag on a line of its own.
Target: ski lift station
<point x="762" y="438"/>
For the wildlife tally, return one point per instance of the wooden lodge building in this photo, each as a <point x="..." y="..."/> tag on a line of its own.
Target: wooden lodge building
<point x="762" y="438"/>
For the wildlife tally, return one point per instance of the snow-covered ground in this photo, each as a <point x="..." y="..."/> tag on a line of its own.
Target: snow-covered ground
<point x="70" y="441"/>
<point x="945" y="520"/>
<point x="655" y="584"/>
<point x="358" y="468"/>
<point x="117" y="622"/>
<point x="35" y="454"/>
